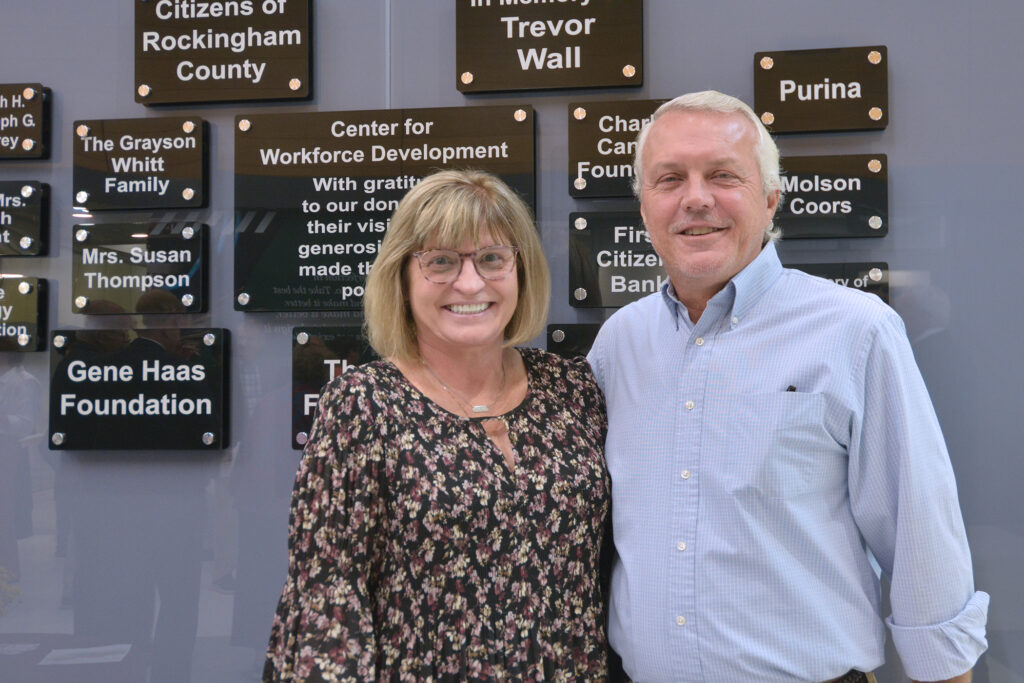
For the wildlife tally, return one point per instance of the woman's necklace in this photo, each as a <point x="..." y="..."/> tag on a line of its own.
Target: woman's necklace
<point x="478" y="408"/>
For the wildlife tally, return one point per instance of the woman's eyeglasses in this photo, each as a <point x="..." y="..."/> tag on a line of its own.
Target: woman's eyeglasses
<point x="442" y="266"/>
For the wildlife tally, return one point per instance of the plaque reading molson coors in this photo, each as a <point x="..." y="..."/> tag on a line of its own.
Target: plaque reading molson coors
<point x="834" y="196"/>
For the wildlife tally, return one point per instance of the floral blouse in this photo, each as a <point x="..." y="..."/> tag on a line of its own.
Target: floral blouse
<point x="417" y="554"/>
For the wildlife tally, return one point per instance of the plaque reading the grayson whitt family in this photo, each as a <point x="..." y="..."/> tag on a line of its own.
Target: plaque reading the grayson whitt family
<point x="188" y="51"/>
<point x="314" y="192"/>
<point x="611" y="260"/>
<point x="834" y="196"/>
<point x="867" y="277"/>
<point x="153" y="388"/>
<point x="24" y="121"/>
<point x="153" y="268"/>
<point x="518" y="45"/>
<point x="602" y="143"/>
<point x="572" y="340"/>
<point x="151" y="163"/>
<point x="22" y="313"/>
<point x="822" y="90"/>
<point x="319" y="354"/>
<point x="24" y="217"/>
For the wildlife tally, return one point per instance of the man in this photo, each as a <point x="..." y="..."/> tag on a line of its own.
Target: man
<point x="769" y="434"/>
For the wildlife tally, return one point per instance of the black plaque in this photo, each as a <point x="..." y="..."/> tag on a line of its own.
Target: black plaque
<point x="24" y="217"/>
<point x="22" y="313"/>
<point x="572" y="340"/>
<point x="602" y="143"/>
<point x="222" y="51"/>
<point x="835" y="196"/>
<point x="611" y="260"/>
<point x="834" y="89"/>
<point x="867" y="277"/>
<point x="139" y="389"/>
<point x="155" y="268"/>
<point x="150" y="163"/>
<point x="314" y="192"/>
<point x="502" y="45"/>
<point x="319" y="354"/>
<point x="24" y="121"/>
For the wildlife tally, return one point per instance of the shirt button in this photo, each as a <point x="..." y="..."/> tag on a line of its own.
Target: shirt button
<point x="685" y="474"/>
<point x="681" y="545"/>
<point x="689" y="405"/>
<point x="699" y="341"/>
<point x="680" y="620"/>
<point x="735" y="320"/>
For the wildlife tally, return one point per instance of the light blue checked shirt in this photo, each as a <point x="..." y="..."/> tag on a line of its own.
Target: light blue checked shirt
<point x="744" y="511"/>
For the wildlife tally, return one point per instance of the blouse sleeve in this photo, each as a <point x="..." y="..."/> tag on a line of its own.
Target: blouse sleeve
<point x="323" y="629"/>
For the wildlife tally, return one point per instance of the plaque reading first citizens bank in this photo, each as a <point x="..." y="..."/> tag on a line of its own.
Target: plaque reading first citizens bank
<point x="314" y="192"/>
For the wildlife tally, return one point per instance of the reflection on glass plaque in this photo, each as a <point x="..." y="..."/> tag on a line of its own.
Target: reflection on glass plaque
<point x="314" y="192"/>
<point x="834" y="196"/>
<point x="188" y="51"/>
<point x="152" y="388"/>
<point x="611" y="260"/>
<point x="24" y="217"/>
<point x="868" y="277"/>
<point x="539" y="45"/>
<point x="572" y="340"/>
<point x="602" y="143"/>
<point x="139" y="268"/>
<point x="22" y="313"/>
<point x="24" y="121"/>
<point x="822" y="90"/>
<point x="319" y="354"/>
<point x="150" y="163"/>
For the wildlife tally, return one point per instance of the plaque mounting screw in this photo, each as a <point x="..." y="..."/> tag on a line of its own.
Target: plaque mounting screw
<point x="144" y="90"/>
<point x="27" y="190"/>
<point x="208" y="438"/>
<point x="875" y="57"/>
<point x="301" y="438"/>
<point x="580" y="223"/>
<point x="875" y="165"/>
<point x="82" y="130"/>
<point x="57" y="438"/>
<point x="59" y="341"/>
<point x="188" y="232"/>
<point x="244" y="125"/>
<point x="558" y="336"/>
<point x="23" y="339"/>
<point x="188" y="193"/>
<point x="27" y="144"/>
<point x="875" y="113"/>
<point x="24" y="287"/>
<point x="302" y="338"/>
<point x="466" y="77"/>
<point x="519" y="115"/>
<point x="767" y="63"/>
<point x="579" y="113"/>
<point x="294" y="84"/>
<point x="81" y="196"/>
<point x="875" y="222"/>
<point x="580" y="294"/>
<point x="243" y="298"/>
<point x="81" y="301"/>
<point x="579" y="183"/>
<point x="82" y="235"/>
<point x="629" y="71"/>
<point x="767" y="118"/>
<point x="209" y="338"/>
<point x="875" y="274"/>
<point x="188" y="126"/>
<point x="187" y="300"/>
<point x="25" y="242"/>
<point x="29" y="93"/>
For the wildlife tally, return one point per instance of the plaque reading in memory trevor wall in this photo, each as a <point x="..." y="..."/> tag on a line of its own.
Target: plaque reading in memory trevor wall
<point x="148" y="268"/>
<point x="150" y="163"/>
<point x="152" y="388"/>
<point x="798" y="91"/>
<point x="22" y="313"/>
<point x="573" y="339"/>
<point x="611" y="260"/>
<point x="24" y="121"/>
<point x="314" y="192"/>
<point x="867" y="277"/>
<point x="24" y="217"/>
<point x="834" y="196"/>
<point x="319" y="354"/>
<point x="188" y="51"/>
<point x="502" y="45"/>
<point x="602" y="143"/>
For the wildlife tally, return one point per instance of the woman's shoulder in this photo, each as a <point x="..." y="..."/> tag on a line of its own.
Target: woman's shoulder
<point x="574" y="369"/>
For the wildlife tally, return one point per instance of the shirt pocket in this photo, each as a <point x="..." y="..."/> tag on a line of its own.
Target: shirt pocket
<point x="770" y="445"/>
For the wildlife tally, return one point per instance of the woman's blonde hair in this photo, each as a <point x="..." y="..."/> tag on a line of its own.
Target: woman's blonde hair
<point x="447" y="209"/>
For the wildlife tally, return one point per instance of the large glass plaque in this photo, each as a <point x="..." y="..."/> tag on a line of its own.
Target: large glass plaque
<point x="503" y="45"/>
<point x="867" y="277"/>
<point x="834" y="196"/>
<point x="611" y="260"/>
<point x="571" y="340"/>
<point x="139" y="268"/>
<point x="314" y="192"/>
<point x="24" y="121"/>
<point x="150" y="163"/>
<point x="22" y="313"/>
<point x="319" y="354"/>
<point x="152" y="388"/>
<point x="602" y="144"/>
<point x="24" y="217"/>
<point x="822" y="90"/>
<point x="187" y="51"/>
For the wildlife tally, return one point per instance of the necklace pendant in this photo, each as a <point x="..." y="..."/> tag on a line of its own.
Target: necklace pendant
<point x="481" y="409"/>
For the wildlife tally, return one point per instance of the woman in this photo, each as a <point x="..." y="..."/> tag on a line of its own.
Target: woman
<point x="451" y="505"/>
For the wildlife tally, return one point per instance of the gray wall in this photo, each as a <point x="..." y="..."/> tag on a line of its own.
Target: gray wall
<point x="105" y="528"/>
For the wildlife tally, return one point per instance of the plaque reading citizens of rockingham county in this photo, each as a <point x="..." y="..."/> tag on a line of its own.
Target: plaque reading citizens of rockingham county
<point x="222" y="50"/>
<point x="24" y="121"/>
<point x="139" y="268"/>
<point x="22" y="313"/>
<point x="602" y="143"/>
<point x="611" y="260"/>
<point x="148" y="388"/>
<point x="24" y="217"/>
<point x="797" y="91"/>
<point x="572" y="340"/>
<point x="867" y="277"/>
<point x="150" y="163"/>
<point x="834" y="196"/>
<point x="314" y="192"/>
<point x="319" y="354"/>
<point x="503" y="45"/>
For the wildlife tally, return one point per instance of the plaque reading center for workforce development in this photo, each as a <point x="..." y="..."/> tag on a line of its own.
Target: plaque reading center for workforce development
<point x="834" y="196"/>
<point x="152" y="388"/>
<point x="602" y="144"/>
<point x="22" y="313"/>
<point x="611" y="260"/>
<point x="24" y="217"/>
<point x="314" y="192"/>
<point x="24" y="121"/>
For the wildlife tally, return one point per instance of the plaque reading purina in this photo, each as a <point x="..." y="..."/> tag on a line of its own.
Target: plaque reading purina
<point x="571" y="340"/>
<point x="22" y="313"/>
<point x="834" y="89"/>
<point x="602" y="144"/>
<point x="867" y="277"/>
<point x="503" y="45"/>
<point x="834" y="196"/>
<point x="24" y="121"/>
<point x="611" y="260"/>
<point x="24" y="217"/>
